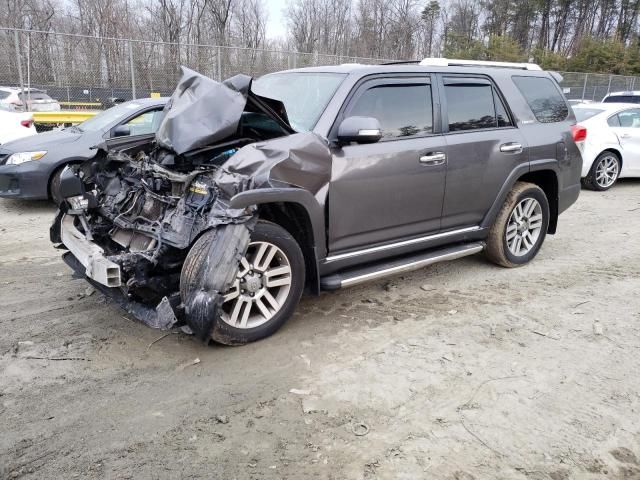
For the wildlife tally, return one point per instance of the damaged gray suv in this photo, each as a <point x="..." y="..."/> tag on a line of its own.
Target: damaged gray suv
<point x="317" y="179"/>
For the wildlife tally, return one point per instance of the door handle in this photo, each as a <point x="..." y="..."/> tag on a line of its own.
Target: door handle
<point x="625" y="135"/>
<point x="433" y="159"/>
<point x="512" y="147"/>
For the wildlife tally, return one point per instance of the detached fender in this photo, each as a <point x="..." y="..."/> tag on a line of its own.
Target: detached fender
<point x="289" y="195"/>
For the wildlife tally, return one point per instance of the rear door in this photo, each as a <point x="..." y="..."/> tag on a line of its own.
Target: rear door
<point x="626" y="126"/>
<point x="392" y="189"/>
<point x="483" y="147"/>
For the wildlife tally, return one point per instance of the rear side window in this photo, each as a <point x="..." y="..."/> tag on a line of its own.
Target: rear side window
<point x="403" y="110"/>
<point x="472" y="106"/>
<point x="4" y="95"/>
<point x="544" y="99"/>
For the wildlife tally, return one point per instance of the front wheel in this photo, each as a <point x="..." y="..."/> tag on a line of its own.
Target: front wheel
<point x="54" y="187"/>
<point x="266" y="290"/>
<point x="520" y="227"/>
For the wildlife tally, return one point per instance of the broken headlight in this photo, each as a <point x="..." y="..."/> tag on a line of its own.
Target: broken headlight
<point x="79" y="202"/>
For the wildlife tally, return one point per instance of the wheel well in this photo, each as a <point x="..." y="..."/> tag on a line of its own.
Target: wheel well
<point x="294" y="218"/>
<point x="56" y="170"/>
<point x="548" y="182"/>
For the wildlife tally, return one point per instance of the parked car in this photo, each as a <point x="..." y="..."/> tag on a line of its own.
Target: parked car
<point x="578" y="101"/>
<point x="30" y="168"/>
<point x="322" y="178"/>
<point x="622" y="97"/>
<point x="15" y="125"/>
<point x="612" y="146"/>
<point x="31" y="100"/>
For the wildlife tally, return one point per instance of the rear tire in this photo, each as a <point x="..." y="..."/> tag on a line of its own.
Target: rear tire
<point x="520" y="227"/>
<point x="604" y="172"/>
<point x="267" y="289"/>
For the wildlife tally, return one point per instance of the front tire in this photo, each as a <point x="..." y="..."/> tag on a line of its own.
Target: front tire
<point x="54" y="186"/>
<point x="603" y="173"/>
<point x="520" y="227"/>
<point x="267" y="288"/>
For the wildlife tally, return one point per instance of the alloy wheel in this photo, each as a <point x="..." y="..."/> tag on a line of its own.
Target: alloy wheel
<point x="524" y="227"/>
<point x="261" y="287"/>
<point x="607" y="171"/>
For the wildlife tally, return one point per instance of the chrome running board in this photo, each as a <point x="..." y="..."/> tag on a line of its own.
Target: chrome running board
<point x="356" y="276"/>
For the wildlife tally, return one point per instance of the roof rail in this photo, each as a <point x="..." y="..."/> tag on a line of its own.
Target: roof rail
<point x="450" y="62"/>
<point x="402" y="62"/>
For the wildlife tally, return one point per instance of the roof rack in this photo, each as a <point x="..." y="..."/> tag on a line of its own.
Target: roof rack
<point x="450" y="62"/>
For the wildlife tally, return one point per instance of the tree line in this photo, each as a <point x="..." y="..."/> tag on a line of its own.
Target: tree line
<point x="570" y="35"/>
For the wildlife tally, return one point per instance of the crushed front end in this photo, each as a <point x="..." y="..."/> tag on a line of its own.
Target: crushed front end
<point x="128" y="223"/>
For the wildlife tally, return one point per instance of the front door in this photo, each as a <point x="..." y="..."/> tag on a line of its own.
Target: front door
<point x="392" y="189"/>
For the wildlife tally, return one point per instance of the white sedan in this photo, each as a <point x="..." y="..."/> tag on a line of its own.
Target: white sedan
<point x="15" y="125"/>
<point x="611" y="149"/>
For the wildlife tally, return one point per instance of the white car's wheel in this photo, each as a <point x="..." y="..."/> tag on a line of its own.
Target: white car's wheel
<point x="604" y="172"/>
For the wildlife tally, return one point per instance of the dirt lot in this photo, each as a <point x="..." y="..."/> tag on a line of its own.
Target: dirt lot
<point x="459" y="371"/>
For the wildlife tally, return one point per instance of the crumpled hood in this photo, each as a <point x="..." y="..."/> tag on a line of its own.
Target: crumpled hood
<point x="41" y="141"/>
<point x="202" y="111"/>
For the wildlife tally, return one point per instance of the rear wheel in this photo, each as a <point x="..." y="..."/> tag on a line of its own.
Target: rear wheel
<point x="520" y="227"/>
<point x="603" y="173"/>
<point x="266" y="290"/>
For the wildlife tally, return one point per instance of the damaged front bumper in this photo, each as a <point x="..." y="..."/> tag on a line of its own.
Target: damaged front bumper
<point x="97" y="267"/>
<point x="89" y="261"/>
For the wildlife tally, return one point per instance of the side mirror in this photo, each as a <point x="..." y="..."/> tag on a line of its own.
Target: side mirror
<point x="121" y="131"/>
<point x="359" y="130"/>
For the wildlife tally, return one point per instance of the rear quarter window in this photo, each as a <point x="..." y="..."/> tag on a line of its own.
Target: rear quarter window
<point x="544" y="98"/>
<point x="4" y="95"/>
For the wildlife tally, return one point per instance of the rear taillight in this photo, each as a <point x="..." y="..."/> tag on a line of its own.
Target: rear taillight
<point x="26" y="123"/>
<point x="579" y="133"/>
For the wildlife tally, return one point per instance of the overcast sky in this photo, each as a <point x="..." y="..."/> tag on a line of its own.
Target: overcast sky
<point x="275" y="25"/>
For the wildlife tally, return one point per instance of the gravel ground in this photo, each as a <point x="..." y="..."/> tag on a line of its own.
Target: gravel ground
<point x="459" y="371"/>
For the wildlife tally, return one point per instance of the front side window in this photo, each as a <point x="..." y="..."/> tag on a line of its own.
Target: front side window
<point x="145" y="123"/>
<point x="473" y="106"/>
<point x="626" y="119"/>
<point x="403" y="110"/>
<point x="544" y="99"/>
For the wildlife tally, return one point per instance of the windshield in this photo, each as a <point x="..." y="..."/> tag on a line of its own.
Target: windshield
<point x="104" y="120"/>
<point x="583" y="114"/>
<point x="305" y="95"/>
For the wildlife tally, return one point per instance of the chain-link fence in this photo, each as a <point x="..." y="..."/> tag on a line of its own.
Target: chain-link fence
<point x="594" y="86"/>
<point x="81" y="71"/>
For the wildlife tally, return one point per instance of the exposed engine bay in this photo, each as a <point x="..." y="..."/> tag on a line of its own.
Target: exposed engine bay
<point x="137" y="208"/>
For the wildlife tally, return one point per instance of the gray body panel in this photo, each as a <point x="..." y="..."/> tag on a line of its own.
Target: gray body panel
<point x="381" y="203"/>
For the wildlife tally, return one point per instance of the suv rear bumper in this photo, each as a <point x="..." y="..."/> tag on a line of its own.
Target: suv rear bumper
<point x="91" y="256"/>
